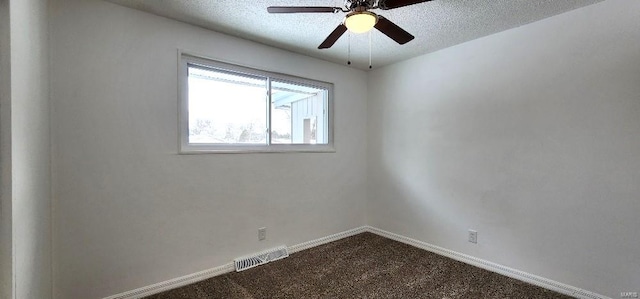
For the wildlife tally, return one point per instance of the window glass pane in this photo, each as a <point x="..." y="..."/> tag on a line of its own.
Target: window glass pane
<point x="298" y="114"/>
<point x="226" y="108"/>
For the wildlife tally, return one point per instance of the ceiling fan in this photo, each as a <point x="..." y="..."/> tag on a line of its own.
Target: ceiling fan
<point x="358" y="19"/>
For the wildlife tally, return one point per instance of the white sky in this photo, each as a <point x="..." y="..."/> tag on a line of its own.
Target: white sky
<point x="225" y="103"/>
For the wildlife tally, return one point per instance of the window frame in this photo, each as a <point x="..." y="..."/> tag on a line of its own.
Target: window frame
<point x="186" y="59"/>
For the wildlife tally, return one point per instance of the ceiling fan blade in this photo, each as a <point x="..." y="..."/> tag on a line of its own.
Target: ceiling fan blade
<point x="393" y="31"/>
<point x="303" y="9"/>
<point x="391" y="4"/>
<point x="333" y="37"/>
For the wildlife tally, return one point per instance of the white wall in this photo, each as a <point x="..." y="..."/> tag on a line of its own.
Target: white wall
<point x="25" y="152"/>
<point x="529" y="136"/>
<point x="128" y="210"/>
<point x="6" y="243"/>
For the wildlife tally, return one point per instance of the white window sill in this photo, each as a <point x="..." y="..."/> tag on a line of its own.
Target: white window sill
<point x="248" y="149"/>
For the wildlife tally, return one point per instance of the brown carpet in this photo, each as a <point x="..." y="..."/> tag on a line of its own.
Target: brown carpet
<point x="362" y="266"/>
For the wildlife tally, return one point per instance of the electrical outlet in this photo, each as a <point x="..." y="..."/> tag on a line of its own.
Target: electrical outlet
<point x="262" y="233"/>
<point x="473" y="236"/>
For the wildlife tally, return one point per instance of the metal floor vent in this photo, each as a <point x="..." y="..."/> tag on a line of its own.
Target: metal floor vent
<point x="250" y="261"/>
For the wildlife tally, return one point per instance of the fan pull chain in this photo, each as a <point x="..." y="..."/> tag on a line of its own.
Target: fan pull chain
<point x="370" y="49"/>
<point x="349" y="49"/>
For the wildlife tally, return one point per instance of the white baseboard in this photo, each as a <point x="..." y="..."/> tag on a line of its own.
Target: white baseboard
<point x="480" y="263"/>
<point x="328" y="239"/>
<point x="226" y="268"/>
<point x="493" y="267"/>
<point x="174" y="283"/>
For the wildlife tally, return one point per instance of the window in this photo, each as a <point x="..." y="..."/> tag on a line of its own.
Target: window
<point x="230" y="108"/>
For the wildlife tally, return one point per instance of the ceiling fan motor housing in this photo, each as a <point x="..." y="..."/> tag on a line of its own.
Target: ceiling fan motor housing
<point x="356" y="4"/>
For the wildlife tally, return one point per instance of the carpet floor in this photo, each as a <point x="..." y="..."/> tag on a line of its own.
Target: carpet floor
<point x="361" y="266"/>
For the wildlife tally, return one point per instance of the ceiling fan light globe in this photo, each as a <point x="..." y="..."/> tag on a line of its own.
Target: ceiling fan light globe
<point x="360" y="21"/>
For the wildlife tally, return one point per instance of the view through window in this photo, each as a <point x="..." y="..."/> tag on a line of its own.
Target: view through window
<point x="229" y="107"/>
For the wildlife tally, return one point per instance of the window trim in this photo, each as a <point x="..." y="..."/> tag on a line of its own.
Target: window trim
<point x="184" y="59"/>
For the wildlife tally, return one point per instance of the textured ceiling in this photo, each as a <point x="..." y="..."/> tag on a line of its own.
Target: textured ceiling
<point x="436" y="25"/>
